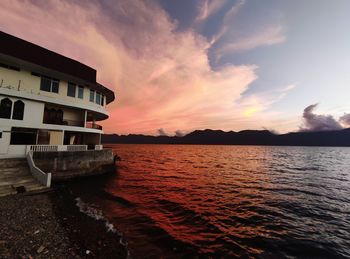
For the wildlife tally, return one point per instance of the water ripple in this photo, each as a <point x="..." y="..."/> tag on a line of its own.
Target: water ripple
<point x="232" y="201"/>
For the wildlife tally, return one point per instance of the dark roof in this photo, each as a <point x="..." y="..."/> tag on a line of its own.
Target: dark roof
<point x="29" y="52"/>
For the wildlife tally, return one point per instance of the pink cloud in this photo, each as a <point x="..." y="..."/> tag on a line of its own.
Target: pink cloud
<point x="162" y="77"/>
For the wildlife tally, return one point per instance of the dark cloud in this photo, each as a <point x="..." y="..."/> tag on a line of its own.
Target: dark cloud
<point x="315" y="122"/>
<point x="162" y="132"/>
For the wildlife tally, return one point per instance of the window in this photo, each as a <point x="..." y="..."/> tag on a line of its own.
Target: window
<point x="48" y="84"/>
<point x="98" y="98"/>
<point x="71" y="89"/>
<point x="45" y="84"/>
<point x="0" y="134"/>
<point x="23" y="136"/>
<point x="81" y="92"/>
<point x="5" y="108"/>
<point x="18" y="110"/>
<point x="92" y="95"/>
<point x="54" y="86"/>
<point x="103" y="100"/>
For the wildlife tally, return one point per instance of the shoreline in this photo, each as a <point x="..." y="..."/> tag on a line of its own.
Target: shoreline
<point x="51" y="225"/>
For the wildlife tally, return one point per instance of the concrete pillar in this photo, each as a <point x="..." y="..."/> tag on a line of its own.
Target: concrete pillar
<point x="12" y="108"/>
<point x="37" y="137"/>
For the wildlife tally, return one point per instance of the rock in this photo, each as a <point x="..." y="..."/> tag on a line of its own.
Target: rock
<point x="88" y="252"/>
<point x="41" y="249"/>
<point x="36" y="232"/>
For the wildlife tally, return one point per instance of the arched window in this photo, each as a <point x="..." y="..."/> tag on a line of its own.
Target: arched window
<point x="5" y="108"/>
<point x="18" y="110"/>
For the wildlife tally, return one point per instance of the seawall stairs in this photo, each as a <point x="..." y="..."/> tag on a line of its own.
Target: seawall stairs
<point x="15" y="177"/>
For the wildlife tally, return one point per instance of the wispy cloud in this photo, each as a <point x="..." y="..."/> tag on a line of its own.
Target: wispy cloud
<point x="267" y="36"/>
<point x="230" y="39"/>
<point x="207" y="8"/>
<point x="227" y="21"/>
<point x="255" y="104"/>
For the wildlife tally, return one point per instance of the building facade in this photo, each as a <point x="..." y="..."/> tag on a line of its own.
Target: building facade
<point x="47" y="99"/>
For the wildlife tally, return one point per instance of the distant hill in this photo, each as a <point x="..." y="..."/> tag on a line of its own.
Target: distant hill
<point x="245" y="137"/>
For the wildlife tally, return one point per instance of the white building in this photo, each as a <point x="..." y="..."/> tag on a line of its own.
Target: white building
<point x="47" y="99"/>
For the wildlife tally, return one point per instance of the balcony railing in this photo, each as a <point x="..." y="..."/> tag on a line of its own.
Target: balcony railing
<point x="92" y="125"/>
<point x="55" y="148"/>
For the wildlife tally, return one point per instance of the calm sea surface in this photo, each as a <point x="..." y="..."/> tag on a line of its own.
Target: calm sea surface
<point x="230" y="201"/>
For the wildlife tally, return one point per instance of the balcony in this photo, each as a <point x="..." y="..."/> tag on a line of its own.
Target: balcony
<point x="92" y="125"/>
<point x="69" y="117"/>
<point x="66" y="123"/>
<point x="89" y="125"/>
<point x="63" y="116"/>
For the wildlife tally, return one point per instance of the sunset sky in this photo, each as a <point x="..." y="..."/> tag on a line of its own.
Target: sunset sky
<point x="177" y="66"/>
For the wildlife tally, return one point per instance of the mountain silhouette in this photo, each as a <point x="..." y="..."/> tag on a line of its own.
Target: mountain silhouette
<point x="245" y="137"/>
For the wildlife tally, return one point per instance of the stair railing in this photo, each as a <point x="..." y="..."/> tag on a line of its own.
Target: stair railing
<point x="42" y="177"/>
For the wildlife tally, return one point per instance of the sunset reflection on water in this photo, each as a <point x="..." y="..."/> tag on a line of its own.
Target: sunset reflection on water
<point x="184" y="200"/>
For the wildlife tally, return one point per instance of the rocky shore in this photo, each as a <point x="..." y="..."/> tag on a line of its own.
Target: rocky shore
<point x="50" y="225"/>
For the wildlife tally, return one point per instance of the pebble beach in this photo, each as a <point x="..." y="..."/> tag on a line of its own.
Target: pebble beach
<point x="50" y="225"/>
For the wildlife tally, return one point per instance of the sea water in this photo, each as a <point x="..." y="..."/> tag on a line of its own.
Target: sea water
<point x="230" y="201"/>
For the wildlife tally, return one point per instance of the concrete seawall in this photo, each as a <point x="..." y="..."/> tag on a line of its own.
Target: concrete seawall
<point x="67" y="165"/>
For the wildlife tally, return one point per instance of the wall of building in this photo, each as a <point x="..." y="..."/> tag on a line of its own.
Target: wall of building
<point x="24" y="81"/>
<point x="13" y="150"/>
<point x="22" y="85"/>
<point x="33" y="117"/>
<point x="5" y="139"/>
<point x="56" y="137"/>
<point x="73" y="115"/>
<point x="33" y="113"/>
